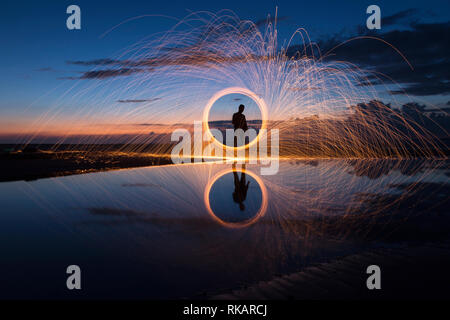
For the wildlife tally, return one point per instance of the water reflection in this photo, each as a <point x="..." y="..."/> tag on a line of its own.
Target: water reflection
<point x="240" y="189"/>
<point x="376" y="168"/>
<point x="236" y="197"/>
<point x="154" y="226"/>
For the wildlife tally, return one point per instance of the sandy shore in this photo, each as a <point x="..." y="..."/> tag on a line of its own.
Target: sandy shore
<point x="37" y="165"/>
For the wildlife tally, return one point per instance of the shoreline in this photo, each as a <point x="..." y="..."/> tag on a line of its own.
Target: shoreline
<point x="40" y="165"/>
<point x="29" y="166"/>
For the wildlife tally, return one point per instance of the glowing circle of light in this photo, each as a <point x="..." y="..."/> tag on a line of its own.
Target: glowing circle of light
<point x="262" y="210"/>
<point x="235" y="90"/>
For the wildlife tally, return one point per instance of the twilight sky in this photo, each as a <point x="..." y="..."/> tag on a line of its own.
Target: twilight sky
<point x="41" y="57"/>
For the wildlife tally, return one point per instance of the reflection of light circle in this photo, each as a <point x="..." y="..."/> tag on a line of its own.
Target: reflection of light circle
<point x="259" y="102"/>
<point x="246" y="223"/>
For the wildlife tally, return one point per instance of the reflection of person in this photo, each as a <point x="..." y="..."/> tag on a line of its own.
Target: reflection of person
<point x="239" y="122"/>
<point x="240" y="189"/>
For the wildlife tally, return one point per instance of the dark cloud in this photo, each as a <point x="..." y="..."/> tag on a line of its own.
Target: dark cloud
<point x="148" y="124"/>
<point x="113" y="212"/>
<point x="428" y="89"/>
<point x="272" y="20"/>
<point x="106" y="73"/>
<point x="138" y="100"/>
<point x="425" y="46"/>
<point x="46" y="69"/>
<point x="398" y="17"/>
<point x="182" y="57"/>
<point x="140" y="185"/>
<point x="97" y="62"/>
<point x="143" y="124"/>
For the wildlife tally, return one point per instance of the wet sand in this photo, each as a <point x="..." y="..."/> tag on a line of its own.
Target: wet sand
<point x="45" y="164"/>
<point x="407" y="272"/>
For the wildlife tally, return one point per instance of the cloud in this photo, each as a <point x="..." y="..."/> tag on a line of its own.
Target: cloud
<point x="138" y="100"/>
<point x="398" y="17"/>
<point x="182" y="57"/>
<point x="106" y="73"/>
<point x="113" y="212"/>
<point x="97" y="62"/>
<point x="140" y="185"/>
<point x="148" y="124"/>
<point x="425" y="89"/>
<point x="46" y="69"/>
<point x="425" y="45"/>
<point x="272" y="20"/>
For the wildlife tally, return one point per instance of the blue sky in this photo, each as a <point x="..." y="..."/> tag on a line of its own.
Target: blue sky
<point x="37" y="44"/>
<point x="229" y="104"/>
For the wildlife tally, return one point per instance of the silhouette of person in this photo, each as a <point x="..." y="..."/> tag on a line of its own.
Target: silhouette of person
<point x="239" y="122"/>
<point x="240" y="189"/>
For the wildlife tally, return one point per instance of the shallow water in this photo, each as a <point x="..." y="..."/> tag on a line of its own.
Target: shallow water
<point x="182" y="231"/>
